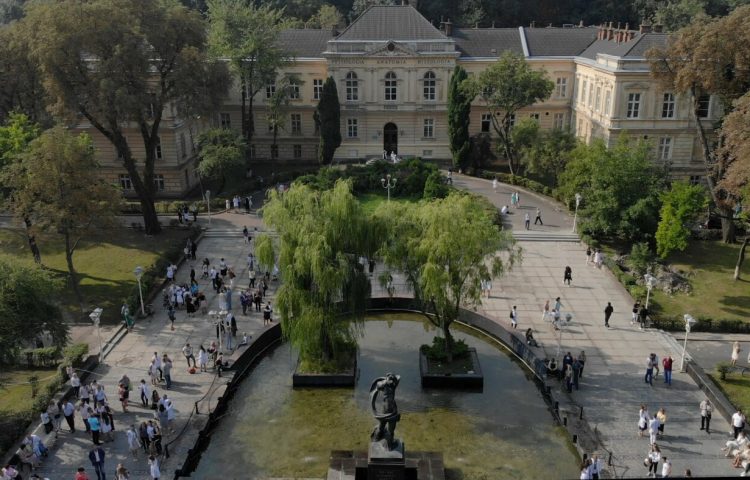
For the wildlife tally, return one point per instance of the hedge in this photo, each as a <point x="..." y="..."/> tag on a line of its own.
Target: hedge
<point x="524" y="182"/>
<point x="41" y="357"/>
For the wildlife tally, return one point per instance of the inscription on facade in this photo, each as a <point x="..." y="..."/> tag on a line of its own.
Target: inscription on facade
<point x="434" y="61"/>
<point x="391" y="61"/>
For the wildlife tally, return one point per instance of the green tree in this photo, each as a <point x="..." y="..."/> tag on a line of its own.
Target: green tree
<point x="15" y="137"/>
<point x="620" y="187"/>
<point x="26" y="308"/>
<point x="121" y="63"/>
<point x="248" y="36"/>
<point x="525" y="134"/>
<point x="444" y="249"/>
<point x="459" y="111"/>
<point x="680" y="207"/>
<point x="359" y="6"/>
<point x="548" y="154"/>
<point x="220" y="151"/>
<point x="57" y="185"/>
<point x="21" y="87"/>
<point x="504" y="88"/>
<point x="697" y="61"/>
<point x="327" y="17"/>
<point x="328" y="118"/>
<point x="322" y="277"/>
<point x="276" y="113"/>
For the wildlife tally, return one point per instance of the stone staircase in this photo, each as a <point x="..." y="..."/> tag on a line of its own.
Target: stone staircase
<point x="542" y="236"/>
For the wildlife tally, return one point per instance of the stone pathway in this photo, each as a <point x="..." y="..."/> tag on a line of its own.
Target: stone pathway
<point x="132" y="356"/>
<point x="612" y="388"/>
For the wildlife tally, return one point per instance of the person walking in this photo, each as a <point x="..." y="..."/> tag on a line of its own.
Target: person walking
<point x="69" y="411"/>
<point x="538" y="217"/>
<point x="654" y="457"/>
<point x="514" y="317"/>
<point x="133" y="443"/>
<point x="122" y="473"/>
<point x="81" y="474"/>
<point x="187" y="350"/>
<point x="667" y="362"/>
<point x="649" y="377"/>
<point x="662" y="416"/>
<point x="738" y="422"/>
<point x="153" y="466"/>
<point x="246" y="235"/>
<point x="95" y="426"/>
<point x="145" y="392"/>
<point x="527" y="221"/>
<point x="735" y="353"/>
<point x="636" y="309"/>
<point x="568" y="275"/>
<point x="653" y="429"/>
<point x="167" y="368"/>
<point x="545" y="310"/>
<point x="558" y="305"/>
<point x="666" y="468"/>
<point x="642" y="420"/>
<point x="582" y="361"/>
<point x="588" y="255"/>
<point x="608" y="311"/>
<point x="706" y="410"/>
<point x="576" y="367"/>
<point x="202" y="358"/>
<point x="96" y="456"/>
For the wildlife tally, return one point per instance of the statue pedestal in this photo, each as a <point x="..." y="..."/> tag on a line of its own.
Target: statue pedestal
<point x="384" y="463"/>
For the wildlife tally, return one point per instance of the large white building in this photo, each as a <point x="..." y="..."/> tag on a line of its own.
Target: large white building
<point x="392" y="68"/>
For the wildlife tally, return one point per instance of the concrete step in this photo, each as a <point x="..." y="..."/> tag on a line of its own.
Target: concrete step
<point x="538" y="236"/>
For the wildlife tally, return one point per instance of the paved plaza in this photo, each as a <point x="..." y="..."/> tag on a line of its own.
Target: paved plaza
<point x="611" y="389"/>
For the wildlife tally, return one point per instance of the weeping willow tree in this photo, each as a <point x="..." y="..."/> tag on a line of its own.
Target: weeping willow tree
<point x="444" y="249"/>
<point x="324" y="290"/>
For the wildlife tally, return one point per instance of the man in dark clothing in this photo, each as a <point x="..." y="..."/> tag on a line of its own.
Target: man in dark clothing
<point x="193" y="249"/>
<point x="576" y="372"/>
<point x="608" y="310"/>
<point x="96" y="455"/>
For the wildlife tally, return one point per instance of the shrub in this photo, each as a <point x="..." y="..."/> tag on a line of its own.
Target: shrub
<point x="722" y="368"/>
<point x="74" y="355"/>
<point x="435" y="186"/>
<point x="640" y="258"/>
<point x="436" y="351"/>
<point x="41" y="357"/>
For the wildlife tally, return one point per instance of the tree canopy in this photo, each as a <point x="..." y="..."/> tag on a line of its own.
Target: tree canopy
<point x="680" y="207"/>
<point x="620" y="186"/>
<point x="125" y="62"/>
<point x="220" y="151"/>
<point x="459" y="111"/>
<point x="320" y="268"/>
<point x="328" y="119"/>
<point x="26" y="307"/>
<point x="505" y="87"/>
<point x="445" y="248"/>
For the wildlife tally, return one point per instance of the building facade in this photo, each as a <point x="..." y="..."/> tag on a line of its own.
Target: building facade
<point x="392" y="68"/>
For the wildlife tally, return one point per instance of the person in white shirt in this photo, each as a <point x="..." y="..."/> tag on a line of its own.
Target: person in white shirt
<point x="596" y="467"/>
<point x="666" y="468"/>
<point x="153" y="463"/>
<point x="654" y="457"/>
<point x="494" y="184"/>
<point x="504" y="210"/>
<point x="738" y="422"/>
<point x="145" y="392"/>
<point x="706" y="410"/>
<point x="653" y="429"/>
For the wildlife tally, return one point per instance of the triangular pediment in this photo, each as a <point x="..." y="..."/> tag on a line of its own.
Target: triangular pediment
<point x="391" y="49"/>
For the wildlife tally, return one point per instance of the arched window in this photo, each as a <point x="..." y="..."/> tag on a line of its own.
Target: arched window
<point x="352" y="87"/>
<point x="429" y="86"/>
<point x="390" y="86"/>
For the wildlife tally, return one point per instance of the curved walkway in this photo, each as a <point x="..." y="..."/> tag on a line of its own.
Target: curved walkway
<point x="613" y="386"/>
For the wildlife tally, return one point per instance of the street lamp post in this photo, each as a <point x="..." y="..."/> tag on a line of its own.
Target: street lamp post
<point x="138" y="272"/>
<point x="689" y="321"/>
<point x="95" y="316"/>
<point x="208" y="205"/>
<point x="579" y="197"/>
<point x="388" y="183"/>
<point x="650" y="283"/>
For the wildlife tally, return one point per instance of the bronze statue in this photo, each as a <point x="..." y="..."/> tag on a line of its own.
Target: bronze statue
<point x="388" y="416"/>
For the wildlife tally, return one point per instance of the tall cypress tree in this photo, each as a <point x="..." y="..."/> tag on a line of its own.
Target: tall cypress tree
<point x="328" y="118"/>
<point x="459" y="108"/>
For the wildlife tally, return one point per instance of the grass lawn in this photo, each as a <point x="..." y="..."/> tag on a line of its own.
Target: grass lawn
<point x="371" y="201"/>
<point x="15" y="390"/>
<point x="736" y="388"/>
<point x="710" y="267"/>
<point x="105" y="263"/>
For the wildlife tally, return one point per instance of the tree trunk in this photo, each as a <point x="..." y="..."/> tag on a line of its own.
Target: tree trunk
<point x="728" y="229"/>
<point x="31" y="238"/>
<point x="73" y="274"/>
<point x="448" y="341"/>
<point x="250" y="124"/>
<point x="243" y="113"/>
<point x="740" y="259"/>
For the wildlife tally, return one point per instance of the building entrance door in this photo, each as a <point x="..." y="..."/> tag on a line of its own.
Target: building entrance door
<point x="390" y="138"/>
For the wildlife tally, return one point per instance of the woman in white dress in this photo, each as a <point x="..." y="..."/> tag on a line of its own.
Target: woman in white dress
<point x="735" y="353"/>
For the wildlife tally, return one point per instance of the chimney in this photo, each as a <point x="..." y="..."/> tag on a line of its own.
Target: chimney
<point x="448" y="28"/>
<point x="610" y="24"/>
<point x="645" y="28"/>
<point x="658" y="28"/>
<point x="630" y="34"/>
<point x="610" y="32"/>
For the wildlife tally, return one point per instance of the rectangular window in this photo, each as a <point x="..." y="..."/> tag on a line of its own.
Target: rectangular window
<point x="298" y="151"/>
<point x="667" y="106"/>
<point x="270" y="90"/>
<point x="159" y="182"/>
<point x="296" y="122"/>
<point x="561" y="87"/>
<point x="597" y="103"/>
<point x="665" y="148"/>
<point x="591" y="96"/>
<point x="293" y="90"/>
<point x="426" y="153"/>
<point x="183" y="148"/>
<point x="486" y="121"/>
<point x="429" y="128"/>
<point x="704" y="106"/>
<point x="158" y="148"/>
<point x="634" y="105"/>
<point x="352" y="130"/>
<point x="125" y="182"/>
<point x="317" y="88"/>
<point x="695" y="179"/>
<point x="585" y="91"/>
<point x="607" y="102"/>
<point x="390" y="88"/>
<point x="512" y="121"/>
<point x="225" y="120"/>
<point x="274" y="152"/>
<point x="534" y="116"/>
<point x="559" y="121"/>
